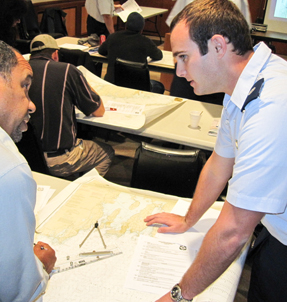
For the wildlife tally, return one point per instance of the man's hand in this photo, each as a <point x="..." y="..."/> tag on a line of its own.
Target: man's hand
<point x="118" y="8"/>
<point x="46" y="255"/>
<point x="165" y="298"/>
<point x="174" y="223"/>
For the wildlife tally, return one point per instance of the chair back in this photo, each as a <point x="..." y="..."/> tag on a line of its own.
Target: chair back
<point x="133" y="75"/>
<point x="166" y="170"/>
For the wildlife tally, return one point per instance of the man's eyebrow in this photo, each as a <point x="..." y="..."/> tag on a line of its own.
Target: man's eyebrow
<point x="29" y="77"/>
<point x="175" y="54"/>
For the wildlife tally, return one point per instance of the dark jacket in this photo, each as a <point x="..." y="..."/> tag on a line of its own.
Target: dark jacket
<point x="127" y="45"/>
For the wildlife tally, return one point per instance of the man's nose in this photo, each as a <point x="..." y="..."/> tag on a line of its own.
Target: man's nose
<point x="180" y="71"/>
<point x="32" y="107"/>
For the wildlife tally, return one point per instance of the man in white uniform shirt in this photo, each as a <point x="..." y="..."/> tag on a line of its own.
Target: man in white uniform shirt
<point x="100" y="16"/>
<point x="211" y="42"/>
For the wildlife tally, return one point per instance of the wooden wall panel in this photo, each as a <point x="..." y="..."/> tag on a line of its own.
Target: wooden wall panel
<point x="84" y="16"/>
<point x="161" y="25"/>
<point x="256" y="9"/>
<point x="71" y="21"/>
<point x="73" y="9"/>
<point x="76" y="19"/>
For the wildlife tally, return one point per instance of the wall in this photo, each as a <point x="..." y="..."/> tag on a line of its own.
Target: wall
<point x="256" y="9"/>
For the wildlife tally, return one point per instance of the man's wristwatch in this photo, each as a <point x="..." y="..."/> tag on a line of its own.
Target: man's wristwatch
<point x="176" y="296"/>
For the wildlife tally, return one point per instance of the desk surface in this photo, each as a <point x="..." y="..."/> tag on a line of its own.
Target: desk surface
<point x="149" y="12"/>
<point x="172" y="126"/>
<point x="269" y="36"/>
<point x="58" y="184"/>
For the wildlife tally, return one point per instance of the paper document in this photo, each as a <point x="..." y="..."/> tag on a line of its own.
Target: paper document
<point x="129" y="6"/>
<point x="214" y="127"/>
<point x="124" y="107"/>
<point x="146" y="106"/>
<point x="74" y="46"/>
<point x="159" y="264"/>
<point x="44" y="193"/>
<point x="224" y="288"/>
<point x="202" y="226"/>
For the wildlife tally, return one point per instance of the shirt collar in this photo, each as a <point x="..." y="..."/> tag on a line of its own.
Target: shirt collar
<point x="249" y="75"/>
<point x="40" y="57"/>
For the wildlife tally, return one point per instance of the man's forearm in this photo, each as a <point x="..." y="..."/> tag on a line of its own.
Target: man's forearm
<point x="109" y="23"/>
<point x="213" y="259"/>
<point x="212" y="180"/>
<point x="220" y="247"/>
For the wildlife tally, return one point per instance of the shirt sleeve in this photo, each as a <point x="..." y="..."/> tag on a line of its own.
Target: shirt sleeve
<point x="260" y="148"/>
<point x="106" y="7"/>
<point x="153" y="51"/>
<point x="84" y="98"/>
<point x="22" y="275"/>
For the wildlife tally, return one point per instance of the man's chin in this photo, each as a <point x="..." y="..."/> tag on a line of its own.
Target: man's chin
<point x="17" y="135"/>
<point x="17" y="138"/>
<point x="195" y="90"/>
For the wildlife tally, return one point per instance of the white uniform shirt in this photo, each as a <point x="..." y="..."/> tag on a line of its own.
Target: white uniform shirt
<point x="22" y="277"/>
<point x="257" y="139"/>
<point x="98" y="8"/>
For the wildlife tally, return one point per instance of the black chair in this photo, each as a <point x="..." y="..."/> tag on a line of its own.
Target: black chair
<point x="133" y="75"/>
<point x="180" y="87"/>
<point x="78" y="57"/>
<point x="31" y="149"/>
<point x="29" y="28"/>
<point x="166" y="170"/>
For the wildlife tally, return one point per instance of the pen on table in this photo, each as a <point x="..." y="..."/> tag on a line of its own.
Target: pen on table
<point x="111" y="109"/>
<point x="42" y="247"/>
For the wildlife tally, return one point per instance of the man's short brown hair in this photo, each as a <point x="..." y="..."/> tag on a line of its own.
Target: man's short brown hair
<point x="207" y="18"/>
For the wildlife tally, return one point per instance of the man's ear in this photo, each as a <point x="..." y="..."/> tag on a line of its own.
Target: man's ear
<point x="219" y="44"/>
<point x="55" y="55"/>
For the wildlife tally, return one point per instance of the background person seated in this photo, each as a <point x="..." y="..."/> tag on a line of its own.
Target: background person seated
<point x="10" y="14"/>
<point x="130" y="44"/>
<point x="57" y="88"/>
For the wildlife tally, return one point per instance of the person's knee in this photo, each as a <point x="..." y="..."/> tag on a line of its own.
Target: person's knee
<point x="110" y="151"/>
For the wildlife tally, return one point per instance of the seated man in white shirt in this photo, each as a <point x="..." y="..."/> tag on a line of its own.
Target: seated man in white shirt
<point x="24" y="270"/>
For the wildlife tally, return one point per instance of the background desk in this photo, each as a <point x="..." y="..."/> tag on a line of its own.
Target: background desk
<point x="269" y="36"/>
<point x="172" y="126"/>
<point x="149" y="12"/>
